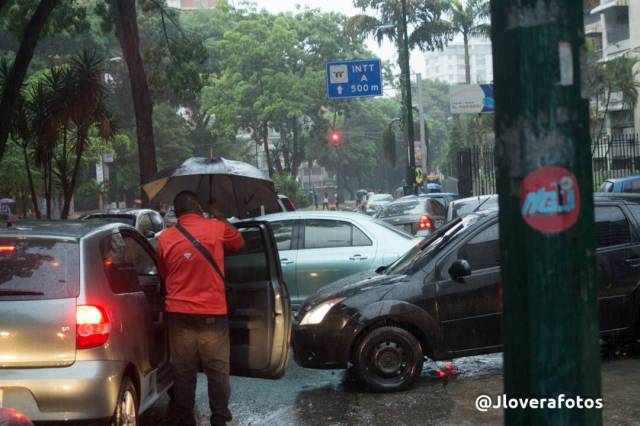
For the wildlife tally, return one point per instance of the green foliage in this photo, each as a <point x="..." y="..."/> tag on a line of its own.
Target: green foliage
<point x="382" y="19"/>
<point x="272" y="72"/>
<point x="389" y="145"/>
<point x="287" y="185"/>
<point x="171" y="136"/>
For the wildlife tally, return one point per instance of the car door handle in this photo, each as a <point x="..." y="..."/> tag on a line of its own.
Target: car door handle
<point x="286" y="261"/>
<point x="633" y="262"/>
<point x="357" y="257"/>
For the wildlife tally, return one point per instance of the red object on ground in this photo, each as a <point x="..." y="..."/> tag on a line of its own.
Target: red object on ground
<point x="13" y="417"/>
<point x="193" y="286"/>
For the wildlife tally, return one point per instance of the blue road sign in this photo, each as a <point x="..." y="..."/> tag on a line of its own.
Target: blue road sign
<point x="354" y="79"/>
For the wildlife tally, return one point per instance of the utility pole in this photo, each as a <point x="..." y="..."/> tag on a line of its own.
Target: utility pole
<point x="423" y="138"/>
<point x="550" y="322"/>
<point x="408" y="123"/>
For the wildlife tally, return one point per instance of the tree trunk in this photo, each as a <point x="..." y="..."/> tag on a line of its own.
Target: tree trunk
<point x="32" y="188"/>
<point x="606" y="111"/>
<point x="467" y="60"/>
<point x="49" y="167"/>
<point x="68" y="191"/>
<point x="297" y="150"/>
<point x="18" y="72"/>
<point x="266" y="150"/>
<point x="124" y="16"/>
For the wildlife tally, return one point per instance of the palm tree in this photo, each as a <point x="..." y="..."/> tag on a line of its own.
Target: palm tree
<point x="469" y="19"/>
<point x="430" y="30"/>
<point x="83" y="108"/>
<point x="616" y="76"/>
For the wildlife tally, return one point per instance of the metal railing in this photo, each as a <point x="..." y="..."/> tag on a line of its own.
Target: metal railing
<point x="613" y="156"/>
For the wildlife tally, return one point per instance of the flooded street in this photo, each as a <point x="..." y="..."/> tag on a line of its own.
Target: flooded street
<point x="445" y="394"/>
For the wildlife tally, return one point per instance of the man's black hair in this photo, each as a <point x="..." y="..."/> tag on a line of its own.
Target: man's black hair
<point x="186" y="202"/>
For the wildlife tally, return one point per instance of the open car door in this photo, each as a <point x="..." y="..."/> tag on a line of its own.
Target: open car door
<point x="260" y="324"/>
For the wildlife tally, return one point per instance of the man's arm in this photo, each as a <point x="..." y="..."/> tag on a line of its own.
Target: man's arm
<point x="232" y="239"/>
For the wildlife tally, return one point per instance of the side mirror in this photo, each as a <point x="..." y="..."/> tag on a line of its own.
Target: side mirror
<point x="149" y="234"/>
<point x="381" y="269"/>
<point x="459" y="269"/>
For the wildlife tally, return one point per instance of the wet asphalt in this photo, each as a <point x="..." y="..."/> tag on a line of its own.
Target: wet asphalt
<point x="444" y="395"/>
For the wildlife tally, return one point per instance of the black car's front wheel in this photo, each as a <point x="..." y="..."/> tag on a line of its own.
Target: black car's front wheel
<point x="388" y="359"/>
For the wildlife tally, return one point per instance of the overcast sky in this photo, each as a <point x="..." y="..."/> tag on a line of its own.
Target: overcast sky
<point x="386" y="52"/>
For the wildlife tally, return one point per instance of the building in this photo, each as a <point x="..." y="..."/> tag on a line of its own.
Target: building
<point x="448" y="65"/>
<point x="193" y="4"/>
<point x="613" y="27"/>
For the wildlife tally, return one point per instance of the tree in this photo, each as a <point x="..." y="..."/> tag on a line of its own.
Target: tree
<point x="271" y="79"/>
<point x="172" y="137"/>
<point x="15" y="78"/>
<point x="83" y="107"/>
<point x="470" y="19"/>
<point x="124" y="16"/>
<point x="619" y="75"/>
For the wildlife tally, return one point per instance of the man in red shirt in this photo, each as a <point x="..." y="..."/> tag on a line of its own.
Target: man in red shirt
<point x="196" y="306"/>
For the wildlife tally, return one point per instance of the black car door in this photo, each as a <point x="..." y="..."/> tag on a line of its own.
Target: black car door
<point x="618" y="258"/>
<point x="260" y="324"/>
<point x="470" y="312"/>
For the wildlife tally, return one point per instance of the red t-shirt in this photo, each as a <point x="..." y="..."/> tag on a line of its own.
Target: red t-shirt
<point x="192" y="285"/>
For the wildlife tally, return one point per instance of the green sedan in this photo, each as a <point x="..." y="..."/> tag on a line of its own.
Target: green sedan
<point x="317" y="248"/>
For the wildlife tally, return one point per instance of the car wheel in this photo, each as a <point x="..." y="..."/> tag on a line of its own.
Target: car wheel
<point x="388" y="359"/>
<point x="126" y="413"/>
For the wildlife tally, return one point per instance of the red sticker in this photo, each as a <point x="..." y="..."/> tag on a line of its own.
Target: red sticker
<point x="550" y="199"/>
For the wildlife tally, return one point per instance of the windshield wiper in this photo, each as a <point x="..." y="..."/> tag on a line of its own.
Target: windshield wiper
<point x="20" y="293"/>
<point x="449" y="235"/>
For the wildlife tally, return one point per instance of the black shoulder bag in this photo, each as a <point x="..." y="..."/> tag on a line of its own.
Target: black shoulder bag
<point x="228" y="292"/>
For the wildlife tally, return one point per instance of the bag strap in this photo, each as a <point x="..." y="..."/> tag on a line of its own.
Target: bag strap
<point x="202" y="250"/>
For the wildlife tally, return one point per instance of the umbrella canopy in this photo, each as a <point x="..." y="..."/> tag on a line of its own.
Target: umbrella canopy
<point x="7" y="200"/>
<point x="239" y="189"/>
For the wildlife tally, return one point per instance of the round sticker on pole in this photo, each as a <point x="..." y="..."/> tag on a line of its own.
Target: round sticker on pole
<point x="550" y="200"/>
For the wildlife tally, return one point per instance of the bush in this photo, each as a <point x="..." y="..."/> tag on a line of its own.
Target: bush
<point x="289" y="186"/>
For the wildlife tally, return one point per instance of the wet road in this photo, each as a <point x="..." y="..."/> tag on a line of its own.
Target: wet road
<point x="444" y="395"/>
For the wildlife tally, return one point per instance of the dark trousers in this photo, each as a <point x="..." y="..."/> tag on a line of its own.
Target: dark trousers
<point x="200" y="342"/>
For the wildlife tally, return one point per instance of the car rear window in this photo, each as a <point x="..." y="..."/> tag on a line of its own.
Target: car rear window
<point x="402" y="209"/>
<point x="39" y="269"/>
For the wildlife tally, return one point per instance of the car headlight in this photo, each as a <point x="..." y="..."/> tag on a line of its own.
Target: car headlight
<point x="317" y="313"/>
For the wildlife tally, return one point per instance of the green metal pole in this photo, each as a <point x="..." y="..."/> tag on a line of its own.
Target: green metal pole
<point x="543" y="159"/>
<point x="408" y="122"/>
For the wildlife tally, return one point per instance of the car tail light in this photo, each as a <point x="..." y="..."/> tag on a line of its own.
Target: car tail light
<point x="92" y="326"/>
<point x="425" y="222"/>
<point x="7" y="248"/>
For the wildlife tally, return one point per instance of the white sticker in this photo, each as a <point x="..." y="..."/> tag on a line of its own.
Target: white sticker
<point x="338" y="74"/>
<point x="566" y="63"/>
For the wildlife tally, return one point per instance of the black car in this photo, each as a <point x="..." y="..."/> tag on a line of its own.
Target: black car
<point x="385" y="323"/>
<point x="148" y="222"/>
<point x="468" y="205"/>
<point x="420" y="214"/>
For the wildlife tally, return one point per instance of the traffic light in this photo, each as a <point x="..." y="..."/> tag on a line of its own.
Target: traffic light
<point x="335" y="138"/>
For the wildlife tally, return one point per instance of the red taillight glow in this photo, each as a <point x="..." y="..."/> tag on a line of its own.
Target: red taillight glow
<point x="425" y="222"/>
<point x="92" y="326"/>
<point x="7" y="249"/>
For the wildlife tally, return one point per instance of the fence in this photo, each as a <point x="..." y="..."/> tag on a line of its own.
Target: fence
<point x="613" y="156"/>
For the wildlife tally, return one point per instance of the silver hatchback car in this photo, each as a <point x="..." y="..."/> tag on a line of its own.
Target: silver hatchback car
<point x="81" y="319"/>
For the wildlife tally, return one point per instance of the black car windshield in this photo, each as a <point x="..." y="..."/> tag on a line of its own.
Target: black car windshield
<point x="432" y="245"/>
<point x="414" y="207"/>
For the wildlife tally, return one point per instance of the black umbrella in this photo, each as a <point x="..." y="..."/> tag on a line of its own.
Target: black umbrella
<point x="239" y="189"/>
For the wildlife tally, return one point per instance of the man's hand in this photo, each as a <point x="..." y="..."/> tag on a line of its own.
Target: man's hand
<point x="215" y="209"/>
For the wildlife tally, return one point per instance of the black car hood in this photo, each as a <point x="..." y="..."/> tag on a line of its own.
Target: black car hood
<point x="350" y="285"/>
